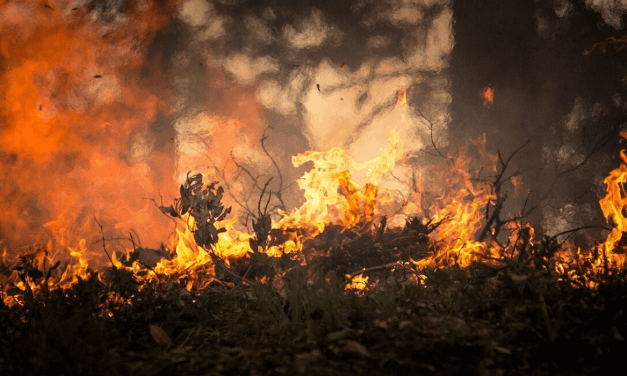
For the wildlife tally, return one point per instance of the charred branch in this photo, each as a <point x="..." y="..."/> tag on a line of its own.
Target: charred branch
<point x="104" y="245"/>
<point x="494" y="222"/>
<point x="431" y="126"/>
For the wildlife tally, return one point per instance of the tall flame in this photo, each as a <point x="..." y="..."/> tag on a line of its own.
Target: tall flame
<point x="330" y="192"/>
<point x="614" y="207"/>
<point x="78" y="103"/>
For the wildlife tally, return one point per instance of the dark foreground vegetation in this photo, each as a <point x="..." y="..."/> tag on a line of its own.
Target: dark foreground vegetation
<point x="515" y="315"/>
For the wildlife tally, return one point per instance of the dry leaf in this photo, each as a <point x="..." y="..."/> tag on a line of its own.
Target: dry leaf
<point x="181" y="349"/>
<point x="160" y="336"/>
<point x="356" y="348"/>
<point x="380" y="324"/>
<point x="617" y="335"/>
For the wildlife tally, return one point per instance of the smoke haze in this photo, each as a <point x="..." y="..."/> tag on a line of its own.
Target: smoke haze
<point x="105" y="104"/>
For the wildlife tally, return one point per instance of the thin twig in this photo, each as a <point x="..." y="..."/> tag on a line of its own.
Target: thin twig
<point x="217" y="260"/>
<point x="431" y="125"/>
<point x="408" y="238"/>
<point x="572" y="231"/>
<point x="104" y="246"/>
<point x="159" y="207"/>
<point x="132" y="241"/>
<point x="497" y="205"/>
<point x="228" y="190"/>
<point x="366" y="270"/>
<point x="488" y="257"/>
<point x="279" y="191"/>
<point x="263" y="191"/>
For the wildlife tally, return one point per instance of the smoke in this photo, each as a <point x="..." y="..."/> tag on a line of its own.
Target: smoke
<point x="564" y="105"/>
<point x="612" y="11"/>
<point x="106" y="105"/>
<point x="79" y="111"/>
<point x="322" y="75"/>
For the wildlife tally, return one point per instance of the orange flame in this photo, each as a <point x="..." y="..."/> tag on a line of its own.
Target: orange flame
<point x="487" y="93"/>
<point x="330" y="192"/>
<point x="77" y="105"/>
<point x="402" y="96"/>
<point x="459" y="206"/>
<point x="613" y="206"/>
<point x="74" y="87"/>
<point x="358" y="282"/>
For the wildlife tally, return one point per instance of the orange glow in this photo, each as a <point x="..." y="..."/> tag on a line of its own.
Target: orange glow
<point x="613" y="206"/>
<point x="402" y="96"/>
<point x="75" y="109"/>
<point x="460" y="206"/>
<point x="358" y="282"/>
<point x="487" y="94"/>
<point x="332" y="196"/>
<point x="78" y="104"/>
<point x="517" y="182"/>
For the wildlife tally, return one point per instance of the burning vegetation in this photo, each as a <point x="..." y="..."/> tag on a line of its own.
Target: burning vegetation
<point x="385" y="266"/>
<point x="338" y="273"/>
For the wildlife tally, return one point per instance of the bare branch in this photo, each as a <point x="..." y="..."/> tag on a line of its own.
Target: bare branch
<point x="229" y="190"/>
<point x="366" y="270"/>
<point x="431" y="125"/>
<point x="572" y="231"/>
<point x="276" y="166"/>
<point x="158" y="207"/>
<point x="263" y="191"/>
<point x="494" y="220"/>
<point x="104" y="246"/>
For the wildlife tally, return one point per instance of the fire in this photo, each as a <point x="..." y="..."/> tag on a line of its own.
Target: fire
<point x="78" y="103"/>
<point x="402" y="96"/>
<point x="358" y="282"/>
<point x="487" y="93"/>
<point x="332" y="195"/>
<point x="80" y="269"/>
<point x="613" y="206"/>
<point x="460" y="207"/>
<point x="190" y="259"/>
<point x="337" y="191"/>
<point x="74" y="87"/>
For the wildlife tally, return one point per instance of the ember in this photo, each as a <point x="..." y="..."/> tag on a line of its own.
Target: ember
<point x="487" y="93"/>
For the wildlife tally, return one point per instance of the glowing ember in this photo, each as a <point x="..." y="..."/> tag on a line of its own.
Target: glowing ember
<point x="402" y="97"/>
<point x="358" y="282"/>
<point x="487" y="93"/>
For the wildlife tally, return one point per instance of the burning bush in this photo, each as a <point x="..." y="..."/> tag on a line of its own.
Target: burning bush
<point x="344" y="286"/>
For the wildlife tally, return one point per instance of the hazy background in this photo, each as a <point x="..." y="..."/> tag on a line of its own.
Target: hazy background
<point x="106" y="103"/>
